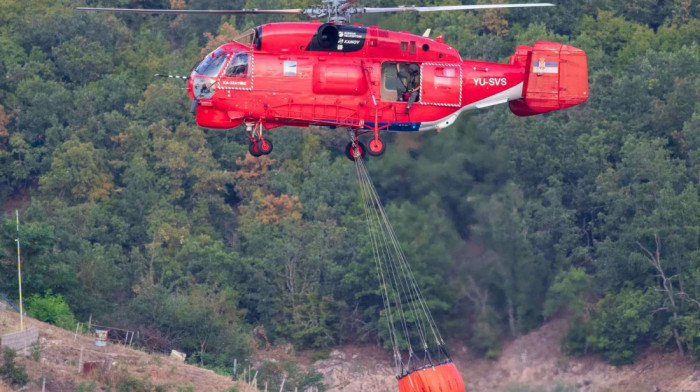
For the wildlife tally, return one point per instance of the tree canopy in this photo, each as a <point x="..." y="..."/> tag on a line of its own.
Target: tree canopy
<point x="136" y="216"/>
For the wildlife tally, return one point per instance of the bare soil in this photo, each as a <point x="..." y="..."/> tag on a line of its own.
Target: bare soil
<point x="60" y="355"/>
<point x="533" y="360"/>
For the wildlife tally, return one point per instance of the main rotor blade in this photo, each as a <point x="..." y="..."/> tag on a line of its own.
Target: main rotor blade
<point x="210" y="12"/>
<point x="450" y="8"/>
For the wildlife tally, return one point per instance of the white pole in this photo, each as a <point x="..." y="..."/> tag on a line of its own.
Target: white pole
<point x="284" y="379"/>
<point x="19" y="277"/>
<point x="80" y="361"/>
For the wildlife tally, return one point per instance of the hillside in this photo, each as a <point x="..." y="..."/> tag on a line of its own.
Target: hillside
<point x="140" y="371"/>
<point x="533" y="361"/>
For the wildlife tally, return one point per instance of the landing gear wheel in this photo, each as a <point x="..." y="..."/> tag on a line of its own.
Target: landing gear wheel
<point x="376" y="147"/>
<point x="265" y="146"/>
<point x="254" y="150"/>
<point x="351" y="154"/>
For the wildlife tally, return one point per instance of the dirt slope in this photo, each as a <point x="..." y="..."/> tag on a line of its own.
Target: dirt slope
<point x="533" y="360"/>
<point x="61" y="351"/>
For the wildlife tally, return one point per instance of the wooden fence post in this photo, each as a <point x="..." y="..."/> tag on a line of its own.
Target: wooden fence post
<point x="283" y="381"/>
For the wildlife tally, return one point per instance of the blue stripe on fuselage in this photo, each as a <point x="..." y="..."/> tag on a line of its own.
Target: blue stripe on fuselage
<point x="395" y="126"/>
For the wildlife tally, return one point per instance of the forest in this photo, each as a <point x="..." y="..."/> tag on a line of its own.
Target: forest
<point x="135" y="217"/>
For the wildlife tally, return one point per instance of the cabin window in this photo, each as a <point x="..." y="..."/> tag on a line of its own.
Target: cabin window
<point x="239" y="67"/>
<point x="413" y="47"/>
<point x="404" y="46"/>
<point x="446" y="72"/>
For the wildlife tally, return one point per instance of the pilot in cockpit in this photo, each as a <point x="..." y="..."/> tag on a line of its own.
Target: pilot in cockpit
<point x="238" y="68"/>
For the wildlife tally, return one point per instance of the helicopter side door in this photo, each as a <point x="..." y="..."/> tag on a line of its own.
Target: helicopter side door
<point x="239" y="72"/>
<point x="441" y="84"/>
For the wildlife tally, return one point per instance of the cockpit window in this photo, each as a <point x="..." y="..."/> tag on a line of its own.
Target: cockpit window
<point x="212" y="64"/>
<point x="239" y="66"/>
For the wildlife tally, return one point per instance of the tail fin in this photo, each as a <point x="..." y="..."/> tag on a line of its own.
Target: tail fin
<point x="556" y="77"/>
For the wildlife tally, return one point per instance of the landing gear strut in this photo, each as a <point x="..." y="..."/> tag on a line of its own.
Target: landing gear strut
<point x="258" y="144"/>
<point x="376" y="146"/>
<point x="355" y="149"/>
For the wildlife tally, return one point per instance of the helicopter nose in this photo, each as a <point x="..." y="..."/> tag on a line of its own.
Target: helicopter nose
<point x="203" y="88"/>
<point x="190" y="87"/>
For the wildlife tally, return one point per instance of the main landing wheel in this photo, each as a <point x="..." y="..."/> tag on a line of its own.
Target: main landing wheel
<point x="360" y="151"/>
<point x="254" y="150"/>
<point x="265" y="146"/>
<point x="376" y="147"/>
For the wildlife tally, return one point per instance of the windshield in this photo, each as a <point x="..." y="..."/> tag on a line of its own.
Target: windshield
<point x="212" y="64"/>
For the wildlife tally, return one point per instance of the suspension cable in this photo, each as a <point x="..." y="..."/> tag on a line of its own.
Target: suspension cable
<point x="397" y="281"/>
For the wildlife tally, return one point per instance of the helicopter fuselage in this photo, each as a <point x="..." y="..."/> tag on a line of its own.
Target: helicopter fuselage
<point x="302" y="74"/>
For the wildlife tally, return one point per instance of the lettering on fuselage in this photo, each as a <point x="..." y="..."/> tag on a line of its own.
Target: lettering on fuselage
<point x="233" y="83"/>
<point x="490" y="82"/>
<point x="349" y="39"/>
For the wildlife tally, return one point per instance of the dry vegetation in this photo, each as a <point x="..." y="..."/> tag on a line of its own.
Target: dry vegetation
<point x="114" y="364"/>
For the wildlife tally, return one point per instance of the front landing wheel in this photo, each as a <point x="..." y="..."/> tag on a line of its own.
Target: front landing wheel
<point x="265" y="146"/>
<point x="358" y="152"/>
<point x="254" y="150"/>
<point x="376" y="147"/>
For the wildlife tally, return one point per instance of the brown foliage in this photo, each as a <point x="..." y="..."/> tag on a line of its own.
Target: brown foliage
<point x="177" y="5"/>
<point x="493" y="21"/>
<point x="226" y="34"/>
<point x="251" y="167"/>
<point x="250" y="173"/>
<point x="274" y="209"/>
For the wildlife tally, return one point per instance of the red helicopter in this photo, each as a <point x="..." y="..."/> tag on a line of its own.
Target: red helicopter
<point x="370" y="80"/>
<point x="367" y="79"/>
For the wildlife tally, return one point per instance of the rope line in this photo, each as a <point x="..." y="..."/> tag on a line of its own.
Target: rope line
<point x="380" y="275"/>
<point x="410" y="317"/>
<point x="401" y="284"/>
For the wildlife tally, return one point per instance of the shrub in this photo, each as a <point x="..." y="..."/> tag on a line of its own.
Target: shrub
<point x="485" y="337"/>
<point x="574" y="342"/>
<point x="273" y="373"/>
<point x="13" y="374"/>
<point x="622" y="324"/>
<point x="86" y="387"/>
<point x="36" y="351"/>
<point x="51" y="308"/>
<point x="320" y="355"/>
